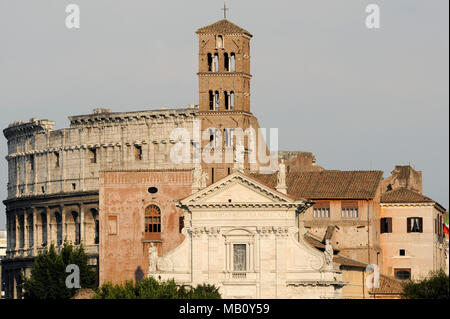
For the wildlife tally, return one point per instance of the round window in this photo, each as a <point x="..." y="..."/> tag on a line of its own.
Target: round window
<point x="152" y="190"/>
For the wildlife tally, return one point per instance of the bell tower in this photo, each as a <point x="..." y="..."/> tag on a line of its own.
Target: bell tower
<point x="224" y="96"/>
<point x="224" y="67"/>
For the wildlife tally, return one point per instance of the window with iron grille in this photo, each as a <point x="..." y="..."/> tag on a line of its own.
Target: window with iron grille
<point x="239" y="257"/>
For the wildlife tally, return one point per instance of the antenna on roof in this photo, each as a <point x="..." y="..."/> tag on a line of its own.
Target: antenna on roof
<point x="225" y="9"/>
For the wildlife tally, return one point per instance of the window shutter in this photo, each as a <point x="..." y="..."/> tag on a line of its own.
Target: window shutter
<point x="408" y="225"/>
<point x="420" y="225"/>
<point x="389" y="222"/>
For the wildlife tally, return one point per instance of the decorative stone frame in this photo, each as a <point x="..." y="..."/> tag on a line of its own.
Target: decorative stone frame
<point x="239" y="236"/>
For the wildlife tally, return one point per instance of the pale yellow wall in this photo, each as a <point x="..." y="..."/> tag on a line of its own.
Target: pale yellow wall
<point x="424" y="253"/>
<point x="356" y="279"/>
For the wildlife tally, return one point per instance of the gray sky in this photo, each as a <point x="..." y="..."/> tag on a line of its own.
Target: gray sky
<point x="356" y="98"/>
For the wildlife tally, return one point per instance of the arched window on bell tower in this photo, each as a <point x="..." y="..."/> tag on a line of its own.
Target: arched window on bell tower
<point x="231" y="100"/>
<point x="216" y="63"/>
<point x="227" y="100"/>
<point x="211" y="100"/>
<point x="219" y="42"/>
<point x="226" y="62"/>
<point x="232" y="62"/>
<point x="210" y="62"/>
<point x="216" y="100"/>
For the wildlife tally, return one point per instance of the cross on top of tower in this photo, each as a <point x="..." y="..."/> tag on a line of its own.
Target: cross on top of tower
<point x="225" y="9"/>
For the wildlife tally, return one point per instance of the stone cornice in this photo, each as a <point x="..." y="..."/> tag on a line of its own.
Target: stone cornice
<point x="87" y="146"/>
<point x="25" y="200"/>
<point x="226" y="74"/>
<point x="245" y="35"/>
<point x="224" y="113"/>
<point x="314" y="283"/>
<point x="240" y="205"/>
<point x="28" y="128"/>
<point x="126" y="117"/>
<point x="406" y="204"/>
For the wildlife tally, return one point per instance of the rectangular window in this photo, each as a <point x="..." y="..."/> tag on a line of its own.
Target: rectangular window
<point x="402" y="252"/>
<point x="386" y="225"/>
<point x="321" y="213"/>
<point x="239" y="257"/>
<point x="349" y="209"/>
<point x="415" y="225"/>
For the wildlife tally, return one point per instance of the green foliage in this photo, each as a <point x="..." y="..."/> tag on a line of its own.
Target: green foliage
<point x="48" y="273"/>
<point x="150" y="288"/>
<point x="435" y="286"/>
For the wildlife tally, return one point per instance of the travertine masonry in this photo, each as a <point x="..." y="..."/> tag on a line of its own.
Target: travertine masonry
<point x="46" y="161"/>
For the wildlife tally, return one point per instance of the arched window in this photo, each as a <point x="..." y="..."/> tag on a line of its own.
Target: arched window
<point x="59" y="228"/>
<point x="152" y="219"/>
<point x="210" y="61"/>
<point x="219" y="42"/>
<point x="44" y="229"/>
<point x="76" y="218"/>
<point x="231" y="100"/>
<point x="211" y="100"/>
<point x="226" y="62"/>
<point x="233" y="62"/>
<point x="217" y="100"/>
<point x="227" y="100"/>
<point x="216" y="63"/>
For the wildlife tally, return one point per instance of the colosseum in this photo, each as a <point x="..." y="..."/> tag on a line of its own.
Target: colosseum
<point x="53" y="176"/>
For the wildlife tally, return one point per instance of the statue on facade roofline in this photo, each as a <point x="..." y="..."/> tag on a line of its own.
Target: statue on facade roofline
<point x="204" y="179"/>
<point x="328" y="254"/>
<point x="197" y="178"/>
<point x="282" y="174"/>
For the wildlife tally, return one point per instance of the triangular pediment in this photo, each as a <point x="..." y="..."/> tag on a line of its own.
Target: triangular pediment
<point x="235" y="189"/>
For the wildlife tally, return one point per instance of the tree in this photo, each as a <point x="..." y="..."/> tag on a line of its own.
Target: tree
<point x="435" y="286"/>
<point x="48" y="273"/>
<point x="150" y="288"/>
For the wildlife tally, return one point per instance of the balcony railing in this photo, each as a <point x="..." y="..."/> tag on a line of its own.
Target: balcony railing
<point x="239" y="275"/>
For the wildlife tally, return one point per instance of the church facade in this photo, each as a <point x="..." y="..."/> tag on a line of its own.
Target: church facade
<point x="237" y="234"/>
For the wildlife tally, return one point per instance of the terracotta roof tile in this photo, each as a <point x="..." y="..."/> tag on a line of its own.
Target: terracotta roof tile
<point x="388" y="286"/>
<point x="328" y="184"/>
<point x="314" y="242"/>
<point x="404" y="195"/>
<point x="345" y="261"/>
<point x="224" y="27"/>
